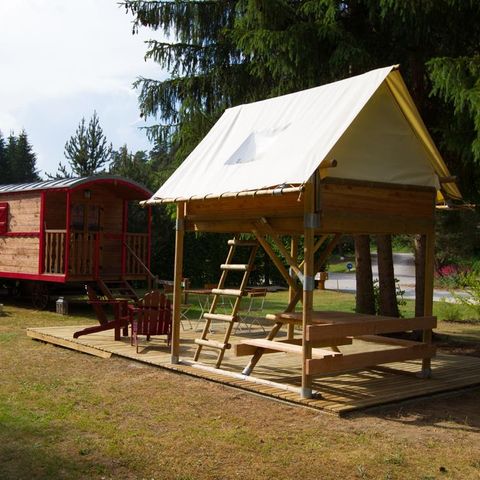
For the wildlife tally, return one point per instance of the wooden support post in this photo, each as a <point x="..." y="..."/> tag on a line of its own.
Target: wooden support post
<point x="41" y="256"/>
<point x="308" y="284"/>
<point x="67" y="233"/>
<point x="149" y="240"/>
<point x="291" y="291"/>
<point x="124" y="237"/>
<point x="428" y="299"/>
<point x="177" y="282"/>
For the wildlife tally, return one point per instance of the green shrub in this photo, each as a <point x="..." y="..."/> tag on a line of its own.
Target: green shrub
<point x="471" y="300"/>
<point x="450" y="312"/>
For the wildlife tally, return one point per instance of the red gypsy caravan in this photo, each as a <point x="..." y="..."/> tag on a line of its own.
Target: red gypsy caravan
<point x="72" y="230"/>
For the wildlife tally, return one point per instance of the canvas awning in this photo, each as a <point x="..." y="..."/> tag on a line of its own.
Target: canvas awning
<point x="369" y="124"/>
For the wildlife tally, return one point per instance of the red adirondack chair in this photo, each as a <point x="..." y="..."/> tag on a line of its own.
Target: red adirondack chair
<point x="120" y="321"/>
<point x="151" y="316"/>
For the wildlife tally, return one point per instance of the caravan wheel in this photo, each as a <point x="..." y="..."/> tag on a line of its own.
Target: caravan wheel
<point x="40" y="295"/>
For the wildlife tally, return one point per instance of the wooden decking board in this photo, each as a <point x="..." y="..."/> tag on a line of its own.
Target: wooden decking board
<point x="340" y="394"/>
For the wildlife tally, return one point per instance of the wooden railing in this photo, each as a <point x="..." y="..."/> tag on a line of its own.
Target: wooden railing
<point x="136" y="254"/>
<point x="55" y="251"/>
<point x="85" y="257"/>
<point x="84" y="250"/>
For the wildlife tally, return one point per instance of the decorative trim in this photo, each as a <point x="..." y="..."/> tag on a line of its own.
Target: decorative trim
<point x="20" y="234"/>
<point x="34" y="276"/>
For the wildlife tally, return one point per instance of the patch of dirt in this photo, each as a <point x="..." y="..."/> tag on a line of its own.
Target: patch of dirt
<point x="458" y="348"/>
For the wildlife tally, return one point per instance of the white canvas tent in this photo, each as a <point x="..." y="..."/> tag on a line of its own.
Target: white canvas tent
<point x="352" y="157"/>
<point x="368" y="124"/>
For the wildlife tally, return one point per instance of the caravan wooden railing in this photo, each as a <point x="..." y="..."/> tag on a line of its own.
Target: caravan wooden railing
<point x="85" y="248"/>
<point x="55" y="251"/>
<point x="136" y="254"/>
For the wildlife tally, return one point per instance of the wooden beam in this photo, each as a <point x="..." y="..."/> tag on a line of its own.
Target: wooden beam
<point x="318" y="262"/>
<point x="357" y="361"/>
<point x="370" y="325"/>
<point x="291" y="291"/>
<point x="288" y="347"/>
<point x="244" y="349"/>
<point x="67" y="233"/>
<point x="41" y="246"/>
<point x="276" y="261"/>
<point x="283" y="225"/>
<point x="264" y="226"/>
<point x="177" y="283"/>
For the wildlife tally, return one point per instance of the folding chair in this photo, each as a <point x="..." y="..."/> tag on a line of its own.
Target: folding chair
<point x="256" y="297"/>
<point x="185" y="306"/>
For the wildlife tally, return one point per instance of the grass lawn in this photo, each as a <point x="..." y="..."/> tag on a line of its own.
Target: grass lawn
<point x="66" y="415"/>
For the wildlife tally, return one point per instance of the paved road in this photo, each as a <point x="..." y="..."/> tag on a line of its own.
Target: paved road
<point x="404" y="268"/>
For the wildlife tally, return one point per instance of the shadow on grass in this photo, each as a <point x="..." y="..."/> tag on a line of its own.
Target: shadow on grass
<point x="454" y="411"/>
<point x="27" y="451"/>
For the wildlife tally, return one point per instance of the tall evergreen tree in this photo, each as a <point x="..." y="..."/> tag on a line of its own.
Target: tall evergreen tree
<point x="131" y="165"/>
<point x="23" y="161"/>
<point x="87" y="151"/>
<point x="228" y="52"/>
<point x="11" y="149"/>
<point x="4" y="166"/>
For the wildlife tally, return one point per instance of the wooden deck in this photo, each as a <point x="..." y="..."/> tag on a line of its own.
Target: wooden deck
<point x="339" y="394"/>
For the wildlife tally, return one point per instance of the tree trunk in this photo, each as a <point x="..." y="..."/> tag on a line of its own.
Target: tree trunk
<point x="420" y="247"/>
<point x="420" y="250"/>
<point x="387" y="301"/>
<point x="365" y="299"/>
<point x="266" y="269"/>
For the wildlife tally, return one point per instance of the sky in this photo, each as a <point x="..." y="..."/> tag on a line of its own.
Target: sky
<point x="62" y="59"/>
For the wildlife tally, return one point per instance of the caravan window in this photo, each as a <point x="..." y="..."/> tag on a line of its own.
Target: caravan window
<point x="3" y="218"/>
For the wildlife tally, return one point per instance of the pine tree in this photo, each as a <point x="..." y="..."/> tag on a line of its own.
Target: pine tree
<point x="4" y="166"/>
<point x="228" y="52"/>
<point x="17" y="159"/>
<point x="457" y="82"/>
<point x="87" y="151"/>
<point x="23" y="163"/>
<point x="11" y="150"/>
<point x="132" y="165"/>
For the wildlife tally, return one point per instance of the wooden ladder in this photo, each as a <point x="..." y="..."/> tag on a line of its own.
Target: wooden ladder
<point x="221" y="291"/>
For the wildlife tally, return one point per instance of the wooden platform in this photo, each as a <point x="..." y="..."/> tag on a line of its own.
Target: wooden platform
<point x="338" y="394"/>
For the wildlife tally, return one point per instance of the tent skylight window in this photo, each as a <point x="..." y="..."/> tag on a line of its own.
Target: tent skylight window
<point x="255" y="145"/>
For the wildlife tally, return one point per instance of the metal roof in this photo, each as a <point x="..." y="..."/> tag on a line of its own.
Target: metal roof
<point x="65" y="184"/>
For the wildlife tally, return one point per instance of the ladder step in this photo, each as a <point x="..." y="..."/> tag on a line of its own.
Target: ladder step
<point x="228" y="292"/>
<point x="213" y="344"/>
<point x="243" y="243"/>
<point x="219" y="316"/>
<point x="234" y="266"/>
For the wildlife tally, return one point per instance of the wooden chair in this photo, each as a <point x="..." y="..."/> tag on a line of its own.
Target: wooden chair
<point x="151" y="316"/>
<point x="120" y="317"/>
